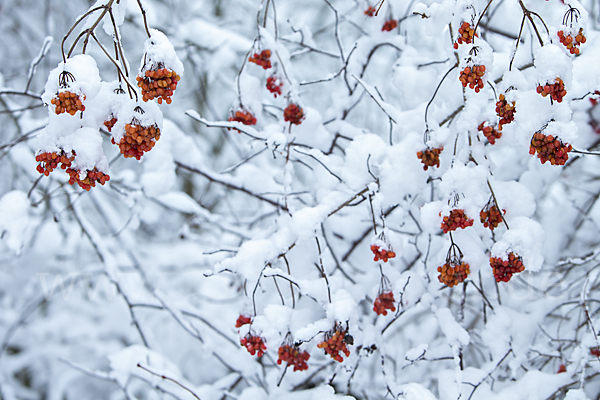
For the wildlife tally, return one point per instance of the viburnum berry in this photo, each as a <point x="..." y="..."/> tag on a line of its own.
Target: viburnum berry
<point x="242" y="320"/>
<point x="254" y="344"/>
<point x="294" y="114"/>
<point x="570" y="42"/>
<point x="504" y="269"/>
<point x="549" y="148"/>
<point x="87" y="179"/>
<point x="242" y="115"/>
<point x="384" y="301"/>
<point x="110" y="123"/>
<point x="137" y="139"/>
<point x="595" y="351"/>
<point x="292" y="355"/>
<point x="49" y="161"/>
<point x="506" y="111"/>
<point x="370" y="11"/>
<point x="466" y="34"/>
<point x="454" y="271"/>
<point x="456" y="219"/>
<point x="389" y="25"/>
<point x="490" y="216"/>
<point x="263" y="59"/>
<point x="159" y="83"/>
<point x="471" y="76"/>
<point x="274" y="85"/>
<point x="489" y="132"/>
<point x="430" y="157"/>
<point x="556" y="90"/>
<point x="335" y="342"/>
<point x="561" y="368"/>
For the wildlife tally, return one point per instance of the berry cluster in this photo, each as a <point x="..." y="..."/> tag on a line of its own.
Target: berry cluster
<point x="453" y="272"/>
<point x="549" y="148"/>
<point x="430" y="157"/>
<point x="370" y="11"/>
<point x="381" y="253"/>
<point x="48" y="162"/>
<point x="572" y="43"/>
<point x="274" y="85"/>
<point x="490" y="216"/>
<point x="294" y="114"/>
<point x="389" y="25"/>
<point x="263" y="59"/>
<point x="595" y="351"/>
<point x="471" y="76"/>
<point x="489" y="132"/>
<point x="138" y="139"/>
<point x="456" y="219"/>
<point x="254" y="344"/>
<point x="243" y="320"/>
<point x="505" y="111"/>
<point x="556" y="90"/>
<point x="385" y="301"/>
<point x="90" y="178"/>
<point x="244" y="116"/>
<point x="158" y="83"/>
<point x="68" y="102"/>
<point x="335" y="341"/>
<point x="109" y="123"/>
<point x="466" y="34"/>
<point x="504" y="269"/>
<point x="292" y="355"/>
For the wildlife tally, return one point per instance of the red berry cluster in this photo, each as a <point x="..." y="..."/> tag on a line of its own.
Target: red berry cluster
<point x="48" y="162"/>
<point x="572" y="43"/>
<point x="466" y="34"/>
<point x="385" y="301"/>
<point x="138" y="139"/>
<point x="452" y="273"/>
<point x="244" y="116"/>
<point x="254" y="344"/>
<point x="556" y="90"/>
<point x="294" y="114"/>
<point x="335" y="341"/>
<point x="490" y="216"/>
<point x="158" y="83"/>
<point x="370" y="11"/>
<point x="389" y="25"/>
<point x="430" y="157"/>
<point x="595" y="351"/>
<point x="382" y="254"/>
<point x="504" y="269"/>
<point x="263" y="59"/>
<point x="109" y="123"/>
<point x="68" y="102"/>
<point x="274" y="85"/>
<point x="243" y="320"/>
<point x="90" y="178"/>
<point x="489" y="132"/>
<point x="471" y="76"/>
<point x="292" y="355"/>
<point x="549" y="148"/>
<point x="506" y="111"/>
<point x="456" y="219"/>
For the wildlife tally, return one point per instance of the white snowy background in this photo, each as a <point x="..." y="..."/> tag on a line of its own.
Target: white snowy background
<point x="132" y="290"/>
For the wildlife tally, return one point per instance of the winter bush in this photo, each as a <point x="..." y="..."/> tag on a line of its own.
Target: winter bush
<point x="323" y="199"/>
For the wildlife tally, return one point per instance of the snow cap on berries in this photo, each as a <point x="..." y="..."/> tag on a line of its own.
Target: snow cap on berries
<point x="158" y="49"/>
<point x="524" y="238"/>
<point x="149" y="115"/>
<point x="86" y="76"/>
<point x="87" y="144"/>
<point x="551" y="62"/>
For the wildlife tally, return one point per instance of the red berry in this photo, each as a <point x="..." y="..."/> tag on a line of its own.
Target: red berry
<point x="294" y="114"/>
<point x="549" y="148"/>
<point x="384" y="301"/>
<point x="504" y="269"/>
<point x="157" y="84"/>
<point x="430" y="157"/>
<point x="263" y="59"/>
<point x="456" y="219"/>
<point x="505" y="111"/>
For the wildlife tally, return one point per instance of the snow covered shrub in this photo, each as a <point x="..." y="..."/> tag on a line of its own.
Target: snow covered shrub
<point x="305" y="196"/>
